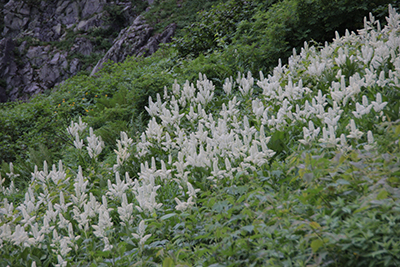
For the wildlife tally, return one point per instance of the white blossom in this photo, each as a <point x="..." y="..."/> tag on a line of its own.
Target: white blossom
<point x="228" y="86"/>
<point x="343" y="146"/>
<point x="123" y="146"/>
<point x="182" y="206"/>
<point x="309" y="134"/>
<point x="80" y="188"/>
<point x="61" y="206"/>
<point x="76" y="128"/>
<point x="141" y="233"/>
<point x="378" y="104"/>
<point x="125" y="211"/>
<point x="104" y="222"/>
<point x="107" y="246"/>
<point x="152" y="109"/>
<point x="20" y="236"/>
<point x="371" y="143"/>
<point x="95" y="144"/>
<point x="245" y="84"/>
<point x="354" y="132"/>
<point x="78" y="143"/>
<point x="61" y="262"/>
<point x="329" y="137"/>
<point x="116" y="190"/>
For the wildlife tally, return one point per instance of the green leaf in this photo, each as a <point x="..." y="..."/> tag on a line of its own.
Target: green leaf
<point x="315" y="225"/>
<point x="316" y="244"/>
<point x="167" y="262"/>
<point x="376" y="253"/>
<point x="248" y="228"/>
<point x="342" y="182"/>
<point x="397" y="130"/>
<point x="121" y="248"/>
<point x="361" y="209"/>
<point x="167" y="216"/>
<point x="382" y="194"/>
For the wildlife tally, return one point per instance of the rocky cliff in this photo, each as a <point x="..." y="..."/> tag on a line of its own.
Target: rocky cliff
<point x="45" y="42"/>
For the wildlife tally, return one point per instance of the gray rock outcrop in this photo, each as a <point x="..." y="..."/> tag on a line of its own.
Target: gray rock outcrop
<point x="136" y="40"/>
<point x="45" y="42"/>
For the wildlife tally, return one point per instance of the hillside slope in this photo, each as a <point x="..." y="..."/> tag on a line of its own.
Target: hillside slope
<point x="32" y="132"/>
<point x="297" y="167"/>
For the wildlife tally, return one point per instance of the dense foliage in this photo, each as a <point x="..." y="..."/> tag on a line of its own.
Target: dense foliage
<point x="241" y="44"/>
<point x="299" y="167"/>
<point x="216" y="27"/>
<point x="255" y="34"/>
<point x="182" y="12"/>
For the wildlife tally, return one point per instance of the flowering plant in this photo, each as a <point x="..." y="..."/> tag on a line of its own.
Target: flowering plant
<point x="223" y="170"/>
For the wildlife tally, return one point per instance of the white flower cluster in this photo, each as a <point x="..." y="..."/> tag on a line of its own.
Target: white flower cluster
<point x="95" y="144"/>
<point x="26" y="225"/>
<point x="11" y="189"/>
<point x="227" y="142"/>
<point x="123" y="146"/>
<point x="74" y="130"/>
<point x="50" y="211"/>
<point x="359" y="63"/>
<point x="222" y="143"/>
<point x="141" y="233"/>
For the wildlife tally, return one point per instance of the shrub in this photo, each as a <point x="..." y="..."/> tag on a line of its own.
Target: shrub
<point x="215" y="28"/>
<point x="183" y="13"/>
<point x="254" y="34"/>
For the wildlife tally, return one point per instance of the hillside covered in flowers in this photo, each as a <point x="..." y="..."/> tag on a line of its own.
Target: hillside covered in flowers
<point x="299" y="167"/>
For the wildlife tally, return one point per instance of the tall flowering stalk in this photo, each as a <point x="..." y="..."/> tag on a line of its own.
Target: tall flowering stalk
<point x="95" y="144"/>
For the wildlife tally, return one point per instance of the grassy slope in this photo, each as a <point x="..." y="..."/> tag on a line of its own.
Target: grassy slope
<point x="29" y="126"/>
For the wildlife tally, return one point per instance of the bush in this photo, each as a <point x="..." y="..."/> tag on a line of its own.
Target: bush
<point x="215" y="28"/>
<point x="183" y="13"/>
<point x="256" y="34"/>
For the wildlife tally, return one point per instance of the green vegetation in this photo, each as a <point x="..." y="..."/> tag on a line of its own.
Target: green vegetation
<point x="182" y="12"/>
<point x="298" y="166"/>
<point x="216" y="28"/>
<point x="253" y="35"/>
<point x="241" y="43"/>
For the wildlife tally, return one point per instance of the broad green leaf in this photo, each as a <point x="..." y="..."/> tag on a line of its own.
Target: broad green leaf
<point x="316" y="244"/>
<point x="315" y="225"/>
<point x="248" y="228"/>
<point x="376" y="253"/>
<point x="360" y="209"/>
<point x="167" y="216"/>
<point x="397" y="130"/>
<point x="343" y="182"/>
<point x="382" y="194"/>
<point x="168" y="262"/>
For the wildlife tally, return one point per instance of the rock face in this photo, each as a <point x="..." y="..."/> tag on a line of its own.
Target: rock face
<point x="45" y="42"/>
<point x="136" y="40"/>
